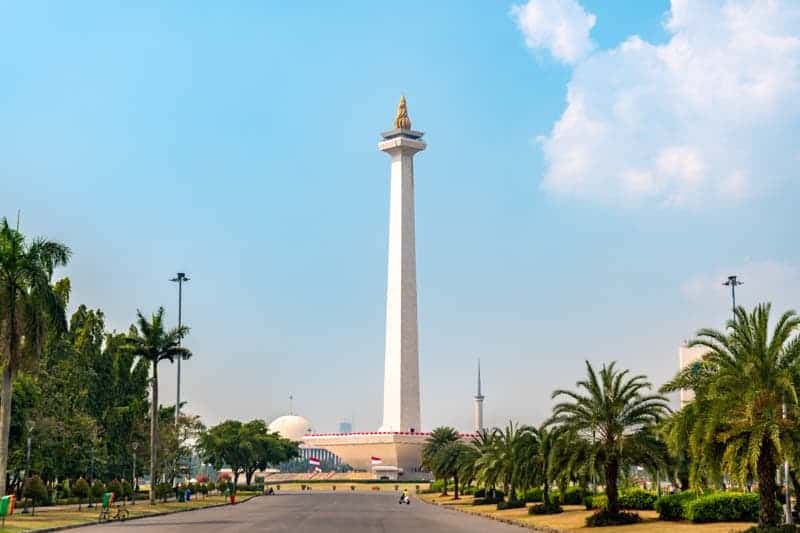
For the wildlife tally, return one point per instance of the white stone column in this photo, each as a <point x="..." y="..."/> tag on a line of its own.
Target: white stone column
<point x="401" y="399"/>
<point x="478" y="414"/>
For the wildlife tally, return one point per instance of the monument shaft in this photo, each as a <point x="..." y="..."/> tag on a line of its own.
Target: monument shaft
<point x="401" y="398"/>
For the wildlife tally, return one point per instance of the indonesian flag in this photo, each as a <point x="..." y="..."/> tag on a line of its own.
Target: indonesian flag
<point x="376" y="460"/>
<point x="313" y="461"/>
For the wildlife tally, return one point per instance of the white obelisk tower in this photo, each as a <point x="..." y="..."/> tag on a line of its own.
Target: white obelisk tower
<point x="401" y="409"/>
<point x="479" y="403"/>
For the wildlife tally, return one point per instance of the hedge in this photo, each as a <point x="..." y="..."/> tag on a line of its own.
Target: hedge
<point x="635" y="499"/>
<point x="542" y="508"/>
<point x="512" y="504"/>
<point x="573" y="496"/>
<point x="673" y="506"/>
<point x="724" y="507"/>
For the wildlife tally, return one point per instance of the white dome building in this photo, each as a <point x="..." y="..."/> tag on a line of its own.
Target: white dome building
<point x="290" y="427"/>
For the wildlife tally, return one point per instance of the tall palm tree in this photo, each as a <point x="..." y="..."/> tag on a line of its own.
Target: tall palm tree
<point x="29" y="306"/>
<point x="610" y="412"/>
<point x="741" y="384"/>
<point x="547" y="450"/>
<point x="150" y="341"/>
<point x="450" y="462"/>
<point x="504" y="460"/>
<point x="439" y="439"/>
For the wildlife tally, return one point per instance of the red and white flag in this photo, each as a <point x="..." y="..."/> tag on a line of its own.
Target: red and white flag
<point x="313" y="461"/>
<point x="376" y="460"/>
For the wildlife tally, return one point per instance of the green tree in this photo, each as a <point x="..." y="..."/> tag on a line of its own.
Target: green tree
<point x="546" y="451"/>
<point x="439" y="438"/>
<point x="742" y="383"/>
<point x="29" y="307"/>
<point x="611" y="412"/>
<point x="36" y="491"/>
<point x="80" y="490"/>
<point x="507" y="461"/>
<point x="153" y="343"/>
<point x="449" y="461"/>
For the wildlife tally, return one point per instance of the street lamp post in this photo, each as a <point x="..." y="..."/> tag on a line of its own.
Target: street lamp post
<point x="733" y="282"/>
<point x="28" y="460"/>
<point x="134" y="446"/>
<point x="180" y="278"/>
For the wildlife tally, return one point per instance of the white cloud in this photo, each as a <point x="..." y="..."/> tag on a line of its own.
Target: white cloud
<point x="560" y="26"/>
<point x="710" y="116"/>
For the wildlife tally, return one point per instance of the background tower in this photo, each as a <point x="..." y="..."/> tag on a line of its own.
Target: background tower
<point x="401" y="404"/>
<point x="479" y="403"/>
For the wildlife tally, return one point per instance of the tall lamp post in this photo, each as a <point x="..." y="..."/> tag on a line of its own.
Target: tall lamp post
<point x="134" y="447"/>
<point x="733" y="282"/>
<point x="180" y="278"/>
<point x="30" y="425"/>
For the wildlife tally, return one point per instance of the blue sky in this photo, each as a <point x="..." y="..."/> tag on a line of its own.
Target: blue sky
<point x="582" y="196"/>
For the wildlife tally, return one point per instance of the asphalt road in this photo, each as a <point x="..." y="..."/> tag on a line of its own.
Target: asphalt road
<point x="319" y="512"/>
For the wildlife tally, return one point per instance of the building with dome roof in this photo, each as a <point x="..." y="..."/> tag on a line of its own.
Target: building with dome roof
<point x="292" y="427"/>
<point x="295" y="428"/>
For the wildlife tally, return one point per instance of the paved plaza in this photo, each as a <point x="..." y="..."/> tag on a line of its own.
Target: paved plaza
<point x="316" y="513"/>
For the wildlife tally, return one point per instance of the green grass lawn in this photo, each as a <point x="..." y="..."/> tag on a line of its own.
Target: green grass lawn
<point x="47" y="518"/>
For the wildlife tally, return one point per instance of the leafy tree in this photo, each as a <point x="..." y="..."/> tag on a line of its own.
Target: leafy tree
<point x="153" y="343"/>
<point x="36" y="491"/>
<point x="439" y="438"/>
<point x="611" y="412"/>
<point x="244" y="447"/>
<point x="29" y="307"/>
<point x="545" y="453"/>
<point x="97" y="489"/>
<point x="80" y="490"/>
<point x="449" y="460"/>
<point x="116" y="487"/>
<point x="741" y="385"/>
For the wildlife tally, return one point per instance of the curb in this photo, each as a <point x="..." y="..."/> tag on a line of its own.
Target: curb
<point x="509" y="521"/>
<point x="162" y="513"/>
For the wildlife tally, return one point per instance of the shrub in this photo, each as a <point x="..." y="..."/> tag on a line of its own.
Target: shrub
<point x="163" y="490"/>
<point x="35" y="490"/>
<point x="64" y="489"/>
<point x="97" y="489"/>
<point x="127" y="489"/>
<point x="116" y="487"/>
<point x="211" y="486"/>
<point x="80" y="489"/>
<point x="637" y="499"/>
<point x="724" y="507"/>
<point x="544" y="508"/>
<point x="222" y="485"/>
<point x="573" y="496"/>
<point x="511" y="504"/>
<point x="480" y="493"/>
<point x="673" y="506"/>
<point x="595" y="501"/>
<point x="203" y="489"/>
<point x="786" y="528"/>
<point x="493" y="496"/>
<point x="604" y="518"/>
<point x="438" y="485"/>
<point x="534" y="495"/>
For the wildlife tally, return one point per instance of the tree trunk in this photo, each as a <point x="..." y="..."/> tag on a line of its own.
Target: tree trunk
<point x="153" y="434"/>
<point x="546" y="493"/>
<point x="236" y="473"/>
<point x="612" y="473"/>
<point x="5" y="424"/>
<point x="455" y="487"/>
<point x="248" y="475"/>
<point x="767" y="489"/>
<point x="444" y="493"/>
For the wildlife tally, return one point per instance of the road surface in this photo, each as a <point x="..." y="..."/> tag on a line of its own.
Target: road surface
<point x="328" y="512"/>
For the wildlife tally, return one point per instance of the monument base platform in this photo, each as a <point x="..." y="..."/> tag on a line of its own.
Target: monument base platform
<point x="403" y="451"/>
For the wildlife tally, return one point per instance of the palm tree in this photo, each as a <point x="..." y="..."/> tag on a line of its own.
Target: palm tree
<point x="504" y="461"/>
<point x="439" y="438"/>
<point x="610" y="412"/>
<point x="29" y="306"/>
<point x="450" y="461"/>
<point x="154" y="344"/>
<point x="741" y="385"/>
<point x="547" y="450"/>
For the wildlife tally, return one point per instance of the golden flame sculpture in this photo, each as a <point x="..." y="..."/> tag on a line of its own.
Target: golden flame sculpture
<point x="402" y="121"/>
